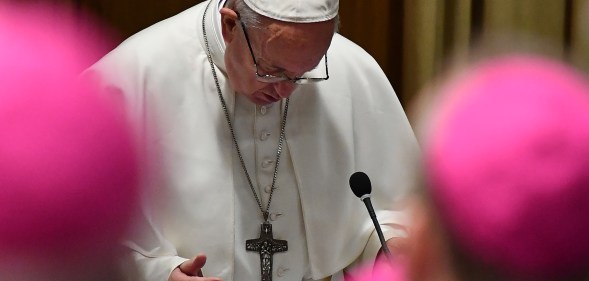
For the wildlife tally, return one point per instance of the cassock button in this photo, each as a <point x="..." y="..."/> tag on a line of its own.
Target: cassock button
<point x="264" y="135"/>
<point x="268" y="188"/>
<point x="267" y="163"/>
<point x="263" y="109"/>
<point x="274" y="216"/>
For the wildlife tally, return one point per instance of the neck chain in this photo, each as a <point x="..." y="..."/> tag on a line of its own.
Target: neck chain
<point x="229" y="123"/>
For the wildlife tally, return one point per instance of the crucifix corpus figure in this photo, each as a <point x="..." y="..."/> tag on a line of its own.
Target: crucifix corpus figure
<point x="266" y="245"/>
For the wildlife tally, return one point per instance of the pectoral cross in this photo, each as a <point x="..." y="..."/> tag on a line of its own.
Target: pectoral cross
<point x="266" y="245"/>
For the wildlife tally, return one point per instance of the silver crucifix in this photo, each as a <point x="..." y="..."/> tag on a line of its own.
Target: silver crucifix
<point x="266" y="245"/>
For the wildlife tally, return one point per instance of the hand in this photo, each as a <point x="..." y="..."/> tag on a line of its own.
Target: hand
<point x="191" y="270"/>
<point x="398" y="246"/>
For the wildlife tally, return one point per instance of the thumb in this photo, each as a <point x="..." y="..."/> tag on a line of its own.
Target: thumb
<point x="193" y="266"/>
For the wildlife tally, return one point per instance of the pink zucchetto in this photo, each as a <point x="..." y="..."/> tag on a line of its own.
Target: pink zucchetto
<point x="69" y="168"/>
<point x="382" y="270"/>
<point x="507" y="164"/>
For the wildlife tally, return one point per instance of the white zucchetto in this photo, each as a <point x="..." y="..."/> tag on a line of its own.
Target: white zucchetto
<point x="301" y="11"/>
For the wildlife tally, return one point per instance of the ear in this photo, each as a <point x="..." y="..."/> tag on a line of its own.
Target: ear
<point x="229" y="24"/>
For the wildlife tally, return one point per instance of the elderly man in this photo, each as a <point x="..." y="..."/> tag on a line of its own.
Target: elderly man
<point x="261" y="113"/>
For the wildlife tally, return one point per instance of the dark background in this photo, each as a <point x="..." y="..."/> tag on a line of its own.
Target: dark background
<point x="412" y="40"/>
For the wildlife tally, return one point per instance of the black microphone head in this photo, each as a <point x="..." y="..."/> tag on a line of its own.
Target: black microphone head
<point x="360" y="184"/>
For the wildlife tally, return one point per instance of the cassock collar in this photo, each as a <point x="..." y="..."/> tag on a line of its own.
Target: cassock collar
<point x="214" y="33"/>
<point x="217" y="47"/>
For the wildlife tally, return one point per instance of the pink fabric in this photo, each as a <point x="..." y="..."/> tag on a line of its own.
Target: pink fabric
<point x="68" y="163"/>
<point x="507" y="161"/>
<point x="381" y="271"/>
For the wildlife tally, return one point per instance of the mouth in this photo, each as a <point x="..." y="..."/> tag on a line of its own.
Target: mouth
<point x="266" y="98"/>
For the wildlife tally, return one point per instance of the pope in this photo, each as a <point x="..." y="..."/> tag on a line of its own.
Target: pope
<point x="261" y="112"/>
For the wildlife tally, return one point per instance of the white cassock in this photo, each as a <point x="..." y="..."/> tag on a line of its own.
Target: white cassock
<point x="351" y="122"/>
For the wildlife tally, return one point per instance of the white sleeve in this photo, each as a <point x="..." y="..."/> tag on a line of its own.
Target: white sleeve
<point x="154" y="256"/>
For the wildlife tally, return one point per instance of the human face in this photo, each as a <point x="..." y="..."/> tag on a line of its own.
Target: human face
<point x="270" y="78"/>
<point x="280" y="49"/>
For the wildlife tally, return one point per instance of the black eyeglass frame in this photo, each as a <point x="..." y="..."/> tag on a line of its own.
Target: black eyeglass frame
<point x="268" y="78"/>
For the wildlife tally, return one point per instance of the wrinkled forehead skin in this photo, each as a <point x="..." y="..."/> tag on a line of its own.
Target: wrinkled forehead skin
<point x="295" y="47"/>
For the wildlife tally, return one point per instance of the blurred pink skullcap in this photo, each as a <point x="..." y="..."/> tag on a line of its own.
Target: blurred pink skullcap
<point x="69" y="169"/>
<point x="507" y="163"/>
<point x="382" y="270"/>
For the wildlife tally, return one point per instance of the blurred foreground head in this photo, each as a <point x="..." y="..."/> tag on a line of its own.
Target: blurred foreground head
<point x="506" y="177"/>
<point x="506" y="164"/>
<point x="68" y="163"/>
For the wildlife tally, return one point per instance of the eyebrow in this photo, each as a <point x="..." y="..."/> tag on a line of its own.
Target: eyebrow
<point x="276" y="69"/>
<point x="281" y="70"/>
<point x="271" y="65"/>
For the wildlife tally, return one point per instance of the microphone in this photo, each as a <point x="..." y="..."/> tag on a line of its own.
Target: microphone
<point x="360" y="184"/>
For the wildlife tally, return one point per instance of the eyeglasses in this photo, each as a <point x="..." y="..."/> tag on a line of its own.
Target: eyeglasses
<point x="268" y="78"/>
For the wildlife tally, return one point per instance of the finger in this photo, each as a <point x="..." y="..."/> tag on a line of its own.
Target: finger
<point x="193" y="266"/>
<point x="199" y="263"/>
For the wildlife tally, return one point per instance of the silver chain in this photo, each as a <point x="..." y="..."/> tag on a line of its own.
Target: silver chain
<point x="230" y="124"/>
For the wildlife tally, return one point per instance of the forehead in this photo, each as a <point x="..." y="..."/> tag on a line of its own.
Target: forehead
<point x="294" y="46"/>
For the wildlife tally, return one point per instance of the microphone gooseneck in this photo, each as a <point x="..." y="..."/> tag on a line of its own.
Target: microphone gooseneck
<point x="361" y="186"/>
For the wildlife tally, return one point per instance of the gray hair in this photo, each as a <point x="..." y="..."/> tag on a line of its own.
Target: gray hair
<point x="254" y="20"/>
<point x="248" y="16"/>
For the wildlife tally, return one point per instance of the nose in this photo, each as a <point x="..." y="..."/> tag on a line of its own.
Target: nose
<point x="284" y="89"/>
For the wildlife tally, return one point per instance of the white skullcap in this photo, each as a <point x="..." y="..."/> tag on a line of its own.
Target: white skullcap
<point x="301" y="11"/>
